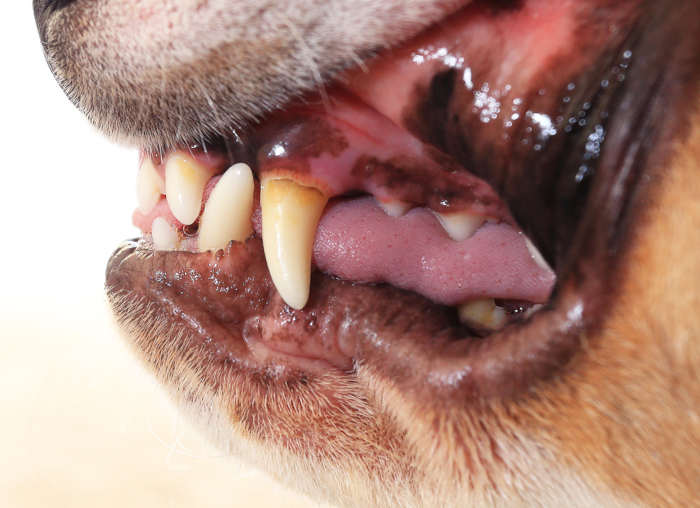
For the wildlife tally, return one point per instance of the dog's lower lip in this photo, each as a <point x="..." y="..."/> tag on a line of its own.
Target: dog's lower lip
<point x="232" y="308"/>
<point x="227" y="317"/>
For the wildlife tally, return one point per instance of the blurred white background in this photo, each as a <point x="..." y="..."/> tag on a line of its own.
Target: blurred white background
<point x="82" y="424"/>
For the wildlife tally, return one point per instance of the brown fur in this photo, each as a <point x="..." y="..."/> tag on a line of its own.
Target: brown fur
<point x="618" y="426"/>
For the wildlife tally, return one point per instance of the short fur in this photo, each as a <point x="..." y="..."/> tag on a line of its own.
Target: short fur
<point x="621" y="427"/>
<point x="159" y="74"/>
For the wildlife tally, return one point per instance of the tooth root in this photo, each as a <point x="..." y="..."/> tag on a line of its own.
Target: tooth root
<point x="149" y="187"/>
<point x="227" y="212"/>
<point x="483" y="313"/>
<point x="395" y="208"/>
<point x="290" y="215"/>
<point x="460" y="225"/>
<point x="164" y="235"/>
<point x="185" y="179"/>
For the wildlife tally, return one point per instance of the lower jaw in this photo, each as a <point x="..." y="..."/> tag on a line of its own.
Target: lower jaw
<point x="228" y="304"/>
<point x="220" y="314"/>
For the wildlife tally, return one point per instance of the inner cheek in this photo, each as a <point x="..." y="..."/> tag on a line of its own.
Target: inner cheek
<point x="500" y="54"/>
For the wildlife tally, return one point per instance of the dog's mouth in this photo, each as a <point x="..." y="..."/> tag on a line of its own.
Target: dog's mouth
<point x="447" y="216"/>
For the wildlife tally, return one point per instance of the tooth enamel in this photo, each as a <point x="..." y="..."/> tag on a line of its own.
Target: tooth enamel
<point x="227" y="212"/>
<point x="185" y="179"/>
<point x="483" y="313"/>
<point x="536" y="255"/>
<point x="290" y="215"/>
<point x="460" y="225"/>
<point x="149" y="186"/>
<point x="394" y="208"/>
<point x="164" y="235"/>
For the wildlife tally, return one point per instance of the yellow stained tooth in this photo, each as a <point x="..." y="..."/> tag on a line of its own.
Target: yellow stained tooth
<point x="290" y="215"/>
<point x="483" y="313"/>
<point x="149" y="186"/>
<point x="460" y="225"/>
<point x="185" y="179"/>
<point x="227" y="212"/>
<point x="164" y="235"/>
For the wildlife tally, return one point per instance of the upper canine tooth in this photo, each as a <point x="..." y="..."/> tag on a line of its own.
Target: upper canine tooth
<point x="164" y="235"/>
<point x="395" y="208"/>
<point x="227" y="212"/>
<point x="149" y="186"/>
<point x="460" y="225"/>
<point x="290" y="215"/>
<point x="185" y="179"/>
<point x="483" y="313"/>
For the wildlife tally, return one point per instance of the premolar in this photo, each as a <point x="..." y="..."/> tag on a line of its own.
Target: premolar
<point x="227" y="212"/>
<point x="483" y="314"/>
<point x="537" y="256"/>
<point x="290" y="215"/>
<point x="185" y="179"/>
<point x="395" y="208"/>
<point x="460" y="225"/>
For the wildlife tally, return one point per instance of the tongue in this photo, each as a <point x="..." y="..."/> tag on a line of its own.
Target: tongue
<point x="356" y="240"/>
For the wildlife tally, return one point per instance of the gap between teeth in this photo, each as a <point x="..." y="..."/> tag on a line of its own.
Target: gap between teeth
<point x="290" y="215"/>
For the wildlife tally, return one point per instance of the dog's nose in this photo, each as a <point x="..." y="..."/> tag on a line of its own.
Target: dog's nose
<point x="52" y="5"/>
<point x="42" y="10"/>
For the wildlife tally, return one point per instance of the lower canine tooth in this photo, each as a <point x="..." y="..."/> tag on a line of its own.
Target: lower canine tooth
<point x="460" y="225"/>
<point x="149" y="186"/>
<point x="227" y="212"/>
<point x="483" y="313"/>
<point x="290" y="215"/>
<point x="185" y="179"/>
<point x="164" y="235"/>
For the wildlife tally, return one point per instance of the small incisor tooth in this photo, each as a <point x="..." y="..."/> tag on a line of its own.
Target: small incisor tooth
<point x="460" y="225"/>
<point x="164" y="235"/>
<point x="149" y="186"/>
<point x="483" y="313"/>
<point x="185" y="179"/>
<point x="290" y="215"/>
<point x="227" y="212"/>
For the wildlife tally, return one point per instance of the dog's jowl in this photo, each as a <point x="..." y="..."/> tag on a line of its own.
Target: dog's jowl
<point x="418" y="253"/>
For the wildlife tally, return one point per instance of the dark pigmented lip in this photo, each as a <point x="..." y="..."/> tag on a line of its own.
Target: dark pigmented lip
<point x="230" y="305"/>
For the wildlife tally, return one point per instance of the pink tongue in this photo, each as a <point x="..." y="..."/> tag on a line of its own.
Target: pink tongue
<point x="357" y="241"/>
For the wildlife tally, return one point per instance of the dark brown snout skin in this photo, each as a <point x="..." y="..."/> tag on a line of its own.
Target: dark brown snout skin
<point x="592" y="402"/>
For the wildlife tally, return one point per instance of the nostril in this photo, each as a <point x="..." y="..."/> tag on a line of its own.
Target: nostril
<point x="43" y="9"/>
<point x="51" y="5"/>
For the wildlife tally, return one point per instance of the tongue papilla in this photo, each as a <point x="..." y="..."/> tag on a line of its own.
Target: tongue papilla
<point x="357" y="241"/>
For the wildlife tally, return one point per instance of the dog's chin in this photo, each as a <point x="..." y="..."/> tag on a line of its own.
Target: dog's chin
<point x="378" y="391"/>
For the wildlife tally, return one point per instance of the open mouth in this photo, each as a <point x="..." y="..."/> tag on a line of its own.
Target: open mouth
<point x="446" y="215"/>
